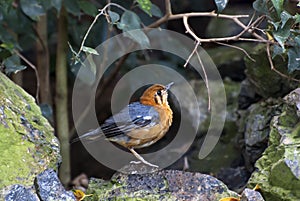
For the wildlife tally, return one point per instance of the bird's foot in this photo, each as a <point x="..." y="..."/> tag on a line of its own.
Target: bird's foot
<point x="144" y="162"/>
<point x="135" y="162"/>
<point x="142" y="159"/>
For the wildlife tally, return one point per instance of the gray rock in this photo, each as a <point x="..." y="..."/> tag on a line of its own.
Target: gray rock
<point x="255" y="129"/>
<point x="277" y="171"/>
<point x="49" y="188"/>
<point x="19" y="192"/>
<point x="265" y="81"/>
<point x="28" y="145"/>
<point x="160" y="185"/>
<point x="251" y="195"/>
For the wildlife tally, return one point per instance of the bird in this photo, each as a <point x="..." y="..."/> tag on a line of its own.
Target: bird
<point x="140" y="124"/>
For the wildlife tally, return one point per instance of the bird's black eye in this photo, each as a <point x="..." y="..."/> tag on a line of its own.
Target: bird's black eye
<point x="158" y="92"/>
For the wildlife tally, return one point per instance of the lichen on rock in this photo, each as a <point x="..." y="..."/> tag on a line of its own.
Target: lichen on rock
<point x="278" y="169"/>
<point x="28" y="145"/>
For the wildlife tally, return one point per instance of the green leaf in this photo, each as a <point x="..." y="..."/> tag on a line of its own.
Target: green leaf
<point x="72" y="7"/>
<point x="138" y="36"/>
<point x="275" y="24"/>
<point x="294" y="59"/>
<point x="88" y="8"/>
<point x="281" y="35"/>
<point x="285" y="16"/>
<point x="32" y="8"/>
<point x="114" y="17"/>
<point x="278" y="5"/>
<point x="56" y="4"/>
<point x="260" y="6"/>
<point x="8" y="46"/>
<point x="277" y="50"/>
<point x="221" y="4"/>
<point x="297" y="17"/>
<point x="129" y="21"/>
<point x="266" y="7"/>
<point x="12" y="64"/>
<point x="155" y="11"/>
<point x="90" y="50"/>
<point x="145" y="5"/>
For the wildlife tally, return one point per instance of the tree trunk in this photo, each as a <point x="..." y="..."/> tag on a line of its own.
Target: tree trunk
<point x="61" y="97"/>
<point x="42" y="60"/>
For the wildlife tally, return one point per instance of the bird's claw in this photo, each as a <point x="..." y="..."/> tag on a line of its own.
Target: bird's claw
<point x="135" y="162"/>
<point x="144" y="162"/>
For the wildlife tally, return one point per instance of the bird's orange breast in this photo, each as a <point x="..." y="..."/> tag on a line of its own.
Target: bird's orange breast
<point x="144" y="137"/>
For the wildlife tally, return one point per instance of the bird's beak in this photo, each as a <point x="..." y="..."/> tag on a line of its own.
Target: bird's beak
<point x="168" y="86"/>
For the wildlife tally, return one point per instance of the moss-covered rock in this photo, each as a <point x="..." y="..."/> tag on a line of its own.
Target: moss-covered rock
<point x="161" y="185"/>
<point x="266" y="82"/>
<point x="278" y="170"/>
<point x="28" y="145"/>
<point x="254" y="129"/>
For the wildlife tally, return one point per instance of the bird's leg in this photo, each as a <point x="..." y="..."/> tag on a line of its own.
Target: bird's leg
<point x="141" y="158"/>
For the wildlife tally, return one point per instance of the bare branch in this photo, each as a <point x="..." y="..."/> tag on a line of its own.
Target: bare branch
<point x="35" y="71"/>
<point x="239" y="48"/>
<point x="273" y="67"/>
<point x="205" y="80"/>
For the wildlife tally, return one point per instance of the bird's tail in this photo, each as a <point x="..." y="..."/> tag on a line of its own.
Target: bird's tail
<point x="89" y="136"/>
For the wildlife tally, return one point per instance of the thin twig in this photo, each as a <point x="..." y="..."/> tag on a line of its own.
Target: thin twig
<point x="206" y="14"/>
<point x="195" y="51"/>
<point x="191" y="55"/>
<point x="206" y="80"/>
<point x="273" y="67"/>
<point x="239" y="48"/>
<point x="35" y="71"/>
<point x="102" y="11"/>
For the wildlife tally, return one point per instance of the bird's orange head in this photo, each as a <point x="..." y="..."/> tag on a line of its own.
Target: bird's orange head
<point x="156" y="95"/>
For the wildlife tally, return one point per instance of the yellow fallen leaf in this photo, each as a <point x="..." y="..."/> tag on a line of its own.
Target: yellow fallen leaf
<point x="270" y="37"/>
<point x="230" y="199"/>
<point x="80" y="195"/>
<point x="257" y="187"/>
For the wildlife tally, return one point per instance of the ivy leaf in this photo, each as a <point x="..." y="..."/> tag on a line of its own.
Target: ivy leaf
<point x="221" y="4"/>
<point x="88" y="8"/>
<point x="145" y="5"/>
<point x="297" y="17"/>
<point x="8" y="46"/>
<point x="56" y="4"/>
<point x="281" y="35"/>
<point x="260" y="6"/>
<point x="294" y="59"/>
<point x="155" y="11"/>
<point x="138" y="36"/>
<point x="90" y="50"/>
<point x="277" y="50"/>
<point x="267" y="8"/>
<point x="275" y="24"/>
<point x="32" y="8"/>
<point x="114" y="17"/>
<point x="278" y="5"/>
<point x="72" y="7"/>
<point x="130" y="21"/>
<point x="12" y="65"/>
<point x="285" y="16"/>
